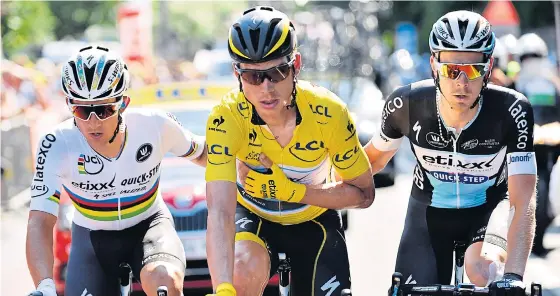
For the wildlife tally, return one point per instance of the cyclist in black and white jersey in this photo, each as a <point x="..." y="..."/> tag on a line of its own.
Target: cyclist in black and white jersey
<point x="474" y="148"/>
<point x="108" y="162"/>
<point x="538" y="80"/>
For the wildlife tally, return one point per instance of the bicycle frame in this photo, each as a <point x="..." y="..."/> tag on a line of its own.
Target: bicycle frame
<point x="459" y="249"/>
<point x="284" y="270"/>
<point x="125" y="279"/>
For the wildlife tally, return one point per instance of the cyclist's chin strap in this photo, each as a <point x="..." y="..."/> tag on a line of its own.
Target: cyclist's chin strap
<point x="116" y="129"/>
<point x="294" y="90"/>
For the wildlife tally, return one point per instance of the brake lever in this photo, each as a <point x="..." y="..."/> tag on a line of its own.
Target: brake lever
<point x="395" y="284"/>
<point x="536" y="289"/>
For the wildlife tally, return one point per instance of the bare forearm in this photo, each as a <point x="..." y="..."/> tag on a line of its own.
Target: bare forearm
<point x="377" y="166"/>
<point x="201" y="160"/>
<point x="338" y="196"/>
<point x="220" y="246"/>
<point x="520" y="238"/>
<point x="39" y="250"/>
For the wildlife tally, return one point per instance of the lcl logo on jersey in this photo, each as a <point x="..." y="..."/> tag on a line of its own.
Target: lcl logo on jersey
<point x="343" y="160"/>
<point x="89" y="165"/>
<point x="144" y="152"/>
<point x="305" y="151"/>
<point x="320" y="109"/>
<point x="242" y="109"/>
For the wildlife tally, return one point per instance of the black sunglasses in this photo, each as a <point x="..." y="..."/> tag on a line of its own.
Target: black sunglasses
<point x="274" y="74"/>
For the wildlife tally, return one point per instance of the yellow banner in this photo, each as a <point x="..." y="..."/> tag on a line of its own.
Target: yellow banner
<point x="180" y="91"/>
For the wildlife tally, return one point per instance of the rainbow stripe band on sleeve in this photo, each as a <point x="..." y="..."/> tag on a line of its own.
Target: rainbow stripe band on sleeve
<point x="108" y="210"/>
<point x="192" y="149"/>
<point x="55" y="197"/>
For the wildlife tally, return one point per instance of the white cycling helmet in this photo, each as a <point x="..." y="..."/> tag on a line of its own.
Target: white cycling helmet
<point x="462" y="31"/>
<point x="509" y="41"/>
<point x="93" y="74"/>
<point x="531" y="44"/>
<point x="501" y="55"/>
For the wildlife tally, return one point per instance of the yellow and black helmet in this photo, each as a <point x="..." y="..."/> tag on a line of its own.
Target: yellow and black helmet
<point x="261" y="34"/>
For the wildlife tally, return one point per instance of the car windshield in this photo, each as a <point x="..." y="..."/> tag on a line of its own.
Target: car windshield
<point x="177" y="171"/>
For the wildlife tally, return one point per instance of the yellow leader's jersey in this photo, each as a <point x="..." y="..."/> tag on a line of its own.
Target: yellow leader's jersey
<point x="324" y="138"/>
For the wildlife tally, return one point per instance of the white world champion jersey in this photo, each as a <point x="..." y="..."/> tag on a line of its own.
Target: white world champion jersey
<point x="110" y="194"/>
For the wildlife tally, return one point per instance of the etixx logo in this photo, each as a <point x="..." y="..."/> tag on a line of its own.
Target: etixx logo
<point x="144" y="152"/>
<point x="89" y="165"/>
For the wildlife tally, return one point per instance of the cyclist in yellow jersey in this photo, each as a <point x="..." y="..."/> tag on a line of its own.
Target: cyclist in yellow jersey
<point x="287" y="138"/>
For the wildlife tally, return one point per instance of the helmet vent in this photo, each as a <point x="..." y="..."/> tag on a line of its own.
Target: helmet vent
<point x="120" y="84"/>
<point x="105" y="94"/>
<point x="447" y="44"/>
<point x="434" y="39"/>
<point x="105" y="72"/>
<point x="241" y="39"/>
<point x="448" y="26"/>
<point x="463" y="28"/>
<point x="75" y="73"/>
<point x="254" y="33"/>
<point x="249" y="10"/>
<point x="477" y="45"/>
<point x="476" y="27"/>
<point x="89" y="76"/>
<point x="273" y="24"/>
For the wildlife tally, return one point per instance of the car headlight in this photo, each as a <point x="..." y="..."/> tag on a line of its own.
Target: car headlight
<point x="65" y="217"/>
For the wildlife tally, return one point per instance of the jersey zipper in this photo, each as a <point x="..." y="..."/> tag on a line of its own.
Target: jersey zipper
<point x="455" y="158"/>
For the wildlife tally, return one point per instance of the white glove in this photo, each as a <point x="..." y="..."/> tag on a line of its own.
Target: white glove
<point x="45" y="288"/>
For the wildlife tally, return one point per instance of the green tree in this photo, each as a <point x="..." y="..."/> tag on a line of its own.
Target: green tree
<point x="74" y="17"/>
<point x="25" y="23"/>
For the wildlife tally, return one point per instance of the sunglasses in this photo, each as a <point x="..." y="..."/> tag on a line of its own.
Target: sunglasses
<point x="472" y="71"/>
<point x="274" y="74"/>
<point x="102" y="111"/>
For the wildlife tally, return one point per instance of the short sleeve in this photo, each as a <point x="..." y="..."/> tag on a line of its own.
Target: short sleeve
<point x="223" y="141"/>
<point x="520" y="151"/>
<point x="178" y="140"/>
<point x="393" y="121"/>
<point x="46" y="183"/>
<point x="347" y="154"/>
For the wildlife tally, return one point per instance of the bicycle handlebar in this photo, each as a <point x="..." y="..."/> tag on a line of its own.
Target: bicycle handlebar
<point x="398" y="289"/>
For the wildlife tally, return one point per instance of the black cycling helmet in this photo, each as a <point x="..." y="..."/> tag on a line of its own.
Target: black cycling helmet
<point x="261" y="34"/>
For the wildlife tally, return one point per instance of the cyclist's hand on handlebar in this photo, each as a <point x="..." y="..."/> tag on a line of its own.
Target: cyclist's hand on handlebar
<point x="224" y="289"/>
<point x="510" y="285"/>
<point x="45" y="288"/>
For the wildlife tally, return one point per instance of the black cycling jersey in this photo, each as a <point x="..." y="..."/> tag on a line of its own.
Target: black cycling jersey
<point x="468" y="168"/>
